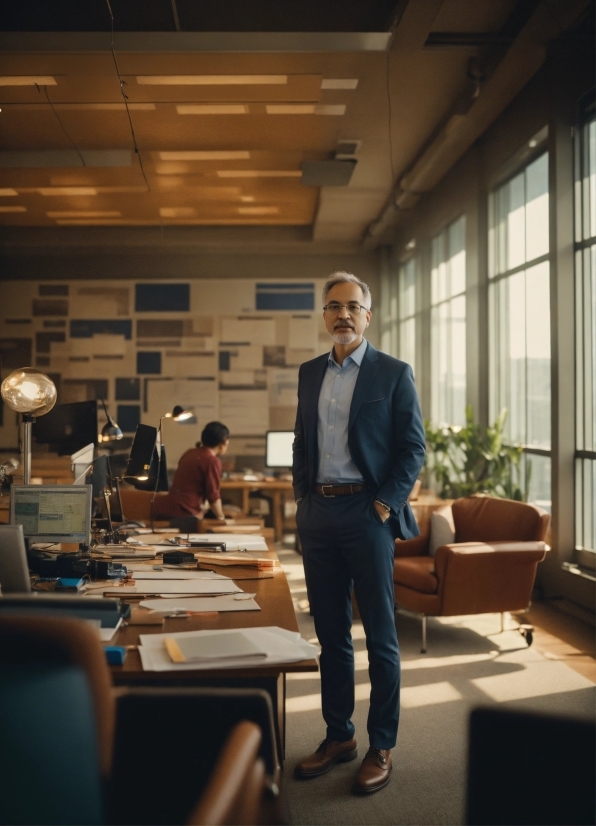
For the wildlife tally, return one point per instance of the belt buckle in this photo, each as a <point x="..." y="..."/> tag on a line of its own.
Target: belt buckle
<point x="327" y="495"/>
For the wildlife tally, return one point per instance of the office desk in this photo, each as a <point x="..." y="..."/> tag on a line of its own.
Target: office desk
<point x="276" y="488"/>
<point x="274" y="598"/>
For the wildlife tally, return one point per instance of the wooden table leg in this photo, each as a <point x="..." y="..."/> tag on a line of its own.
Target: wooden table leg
<point x="278" y="517"/>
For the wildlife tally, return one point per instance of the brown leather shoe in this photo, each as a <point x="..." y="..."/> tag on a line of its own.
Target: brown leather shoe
<point x="374" y="771"/>
<point x="327" y="755"/>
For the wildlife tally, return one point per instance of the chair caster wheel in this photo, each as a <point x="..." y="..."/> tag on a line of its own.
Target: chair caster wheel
<point x="527" y="632"/>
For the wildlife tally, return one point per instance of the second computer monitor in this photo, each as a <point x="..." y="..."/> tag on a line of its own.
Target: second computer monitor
<point x="52" y="513"/>
<point x="278" y="452"/>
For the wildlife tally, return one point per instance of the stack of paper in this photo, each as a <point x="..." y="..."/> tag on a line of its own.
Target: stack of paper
<point x="273" y="645"/>
<point x="236" y="559"/>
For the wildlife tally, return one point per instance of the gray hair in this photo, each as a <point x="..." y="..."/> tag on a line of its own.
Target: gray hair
<point x="340" y="278"/>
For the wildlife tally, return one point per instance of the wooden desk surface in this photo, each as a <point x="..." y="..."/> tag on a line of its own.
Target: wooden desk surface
<point x="275" y="600"/>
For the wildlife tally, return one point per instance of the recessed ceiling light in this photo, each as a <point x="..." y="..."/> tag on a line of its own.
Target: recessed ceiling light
<point x="177" y="212"/>
<point x="239" y="155"/>
<point x="533" y="143"/>
<point x="339" y="83"/>
<point x="305" y="109"/>
<point x="212" y="109"/>
<point x="27" y="80"/>
<point x="212" y="80"/>
<point x="104" y="107"/>
<point x="264" y="210"/>
<point x="411" y="245"/>
<point x="13" y="209"/>
<point x="247" y="199"/>
<point x="5" y="193"/>
<point x="258" y="173"/>
<point x="67" y="190"/>
<point x="82" y="213"/>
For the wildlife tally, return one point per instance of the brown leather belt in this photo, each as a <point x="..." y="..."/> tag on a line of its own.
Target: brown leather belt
<point x="338" y="490"/>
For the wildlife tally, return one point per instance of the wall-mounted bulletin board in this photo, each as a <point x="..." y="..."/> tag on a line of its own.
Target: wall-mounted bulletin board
<point x="227" y="350"/>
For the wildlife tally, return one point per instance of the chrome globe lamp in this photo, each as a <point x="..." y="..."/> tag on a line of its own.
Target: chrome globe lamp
<point x="30" y="393"/>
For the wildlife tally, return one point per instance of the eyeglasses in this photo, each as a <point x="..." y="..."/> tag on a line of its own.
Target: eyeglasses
<point x="353" y="307"/>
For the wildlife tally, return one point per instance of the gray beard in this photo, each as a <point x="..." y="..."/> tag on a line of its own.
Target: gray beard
<point x="344" y="338"/>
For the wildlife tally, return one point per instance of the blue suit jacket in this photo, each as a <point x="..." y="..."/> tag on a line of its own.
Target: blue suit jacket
<point x="385" y="432"/>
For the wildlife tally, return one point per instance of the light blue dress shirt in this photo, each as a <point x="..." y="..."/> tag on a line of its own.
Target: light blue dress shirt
<point x="335" y="463"/>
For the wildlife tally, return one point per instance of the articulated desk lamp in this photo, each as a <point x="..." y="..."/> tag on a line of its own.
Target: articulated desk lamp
<point x="110" y="432"/>
<point x="31" y="393"/>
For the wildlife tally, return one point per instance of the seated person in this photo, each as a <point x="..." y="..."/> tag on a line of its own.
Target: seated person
<point x="195" y="488"/>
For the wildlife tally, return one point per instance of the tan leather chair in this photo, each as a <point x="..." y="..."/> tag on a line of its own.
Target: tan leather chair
<point x="489" y="568"/>
<point x="238" y="791"/>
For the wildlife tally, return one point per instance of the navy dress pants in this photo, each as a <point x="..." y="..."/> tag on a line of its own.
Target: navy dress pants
<point x="345" y="543"/>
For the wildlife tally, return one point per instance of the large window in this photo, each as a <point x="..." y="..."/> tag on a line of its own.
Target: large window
<point x="407" y="312"/>
<point x="519" y="306"/>
<point x="448" y="325"/>
<point x="585" y="341"/>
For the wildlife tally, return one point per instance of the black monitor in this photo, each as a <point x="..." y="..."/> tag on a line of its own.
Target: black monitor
<point x="68" y="427"/>
<point x="278" y="451"/>
<point x="158" y="469"/>
<point x="102" y="479"/>
<point x="141" y="452"/>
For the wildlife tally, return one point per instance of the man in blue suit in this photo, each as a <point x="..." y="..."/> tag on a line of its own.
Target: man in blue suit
<point x="359" y="446"/>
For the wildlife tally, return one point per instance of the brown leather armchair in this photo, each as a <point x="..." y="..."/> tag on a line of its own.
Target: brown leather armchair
<point x="489" y="568"/>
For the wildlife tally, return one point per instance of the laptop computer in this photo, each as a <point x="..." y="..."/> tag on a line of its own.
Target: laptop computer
<point x="14" y="572"/>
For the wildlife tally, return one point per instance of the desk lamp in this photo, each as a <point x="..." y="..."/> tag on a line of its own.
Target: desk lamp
<point x="110" y="432"/>
<point x="31" y="394"/>
<point x="179" y="414"/>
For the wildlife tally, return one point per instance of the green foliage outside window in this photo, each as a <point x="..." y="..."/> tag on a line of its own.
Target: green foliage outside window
<point x="473" y="459"/>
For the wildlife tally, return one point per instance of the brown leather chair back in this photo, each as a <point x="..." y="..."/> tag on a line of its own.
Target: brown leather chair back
<point x="484" y="518"/>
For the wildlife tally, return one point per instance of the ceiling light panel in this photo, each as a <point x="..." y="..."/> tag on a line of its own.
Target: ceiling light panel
<point x="207" y="155"/>
<point x="264" y="210"/>
<point x="258" y="173"/>
<point x="177" y="212"/>
<point x="339" y="83"/>
<point x="8" y="193"/>
<point x="27" y="80"/>
<point x="67" y="190"/>
<point x="83" y="213"/>
<point x="102" y="107"/>
<point x="212" y="80"/>
<point x="4" y="209"/>
<point x="305" y="109"/>
<point x="212" y="109"/>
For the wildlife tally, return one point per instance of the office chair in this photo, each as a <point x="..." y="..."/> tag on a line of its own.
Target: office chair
<point x="86" y="750"/>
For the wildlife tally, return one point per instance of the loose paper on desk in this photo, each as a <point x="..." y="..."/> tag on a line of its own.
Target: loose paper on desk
<point x="234" y="541"/>
<point x="178" y="586"/>
<point x="279" y="646"/>
<point x="227" y="602"/>
<point x="144" y="572"/>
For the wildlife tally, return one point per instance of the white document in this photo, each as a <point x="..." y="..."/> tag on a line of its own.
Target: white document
<point x="248" y="330"/>
<point x="283" y="387"/>
<point x="146" y="573"/>
<point x="234" y="541"/>
<point x="302" y="331"/>
<point x="179" y="586"/>
<point x="245" y="412"/>
<point x="226" y="602"/>
<point x="281" y="646"/>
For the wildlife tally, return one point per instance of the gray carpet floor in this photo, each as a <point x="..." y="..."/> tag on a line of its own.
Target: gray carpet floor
<point x="469" y="663"/>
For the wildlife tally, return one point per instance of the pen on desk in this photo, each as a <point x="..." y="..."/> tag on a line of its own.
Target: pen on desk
<point x="184" y="613"/>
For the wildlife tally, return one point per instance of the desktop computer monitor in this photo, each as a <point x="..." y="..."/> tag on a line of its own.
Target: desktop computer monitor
<point x="68" y="427"/>
<point x="102" y="479"/>
<point x="141" y="452"/>
<point x="82" y="463"/>
<point x="52" y="513"/>
<point x="278" y="451"/>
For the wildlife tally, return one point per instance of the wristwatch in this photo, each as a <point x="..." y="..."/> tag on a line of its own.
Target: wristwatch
<point x="383" y="505"/>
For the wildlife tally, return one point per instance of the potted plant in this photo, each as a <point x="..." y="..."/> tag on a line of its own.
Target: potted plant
<point x="474" y="459"/>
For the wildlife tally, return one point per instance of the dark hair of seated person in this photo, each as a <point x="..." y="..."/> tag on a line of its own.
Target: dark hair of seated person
<point x="214" y="434"/>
